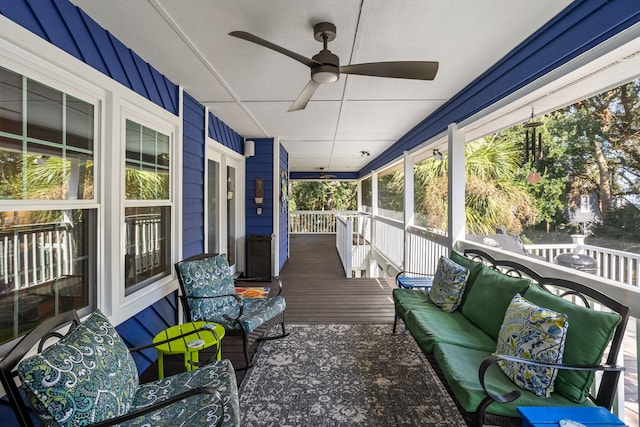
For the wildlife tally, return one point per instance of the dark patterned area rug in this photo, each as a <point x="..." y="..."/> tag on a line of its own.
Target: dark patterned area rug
<point x="344" y="375"/>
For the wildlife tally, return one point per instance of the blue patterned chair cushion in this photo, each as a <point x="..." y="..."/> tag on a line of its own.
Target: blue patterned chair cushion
<point x="448" y="284"/>
<point x="535" y="333"/>
<point x="86" y="377"/>
<point x="199" y="410"/>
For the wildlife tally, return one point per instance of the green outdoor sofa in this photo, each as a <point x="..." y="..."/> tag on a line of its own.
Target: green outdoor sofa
<point x="461" y="345"/>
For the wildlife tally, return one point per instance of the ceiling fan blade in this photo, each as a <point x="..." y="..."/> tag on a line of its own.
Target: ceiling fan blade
<point x="304" y="96"/>
<point x="265" y="43"/>
<point x="418" y="70"/>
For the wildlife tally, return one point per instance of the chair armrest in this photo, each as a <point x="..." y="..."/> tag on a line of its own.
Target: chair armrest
<point x="262" y="279"/>
<point x="514" y="394"/>
<point x="162" y="404"/>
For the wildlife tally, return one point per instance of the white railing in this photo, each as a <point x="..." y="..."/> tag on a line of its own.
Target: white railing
<point x="424" y="250"/>
<point x="623" y="267"/>
<point x="33" y="255"/>
<point x="314" y="222"/>
<point x="344" y="242"/>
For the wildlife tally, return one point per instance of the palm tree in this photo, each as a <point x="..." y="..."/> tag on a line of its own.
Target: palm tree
<point x="495" y="193"/>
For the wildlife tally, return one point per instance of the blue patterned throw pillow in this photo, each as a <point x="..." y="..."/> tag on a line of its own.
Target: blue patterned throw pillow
<point x="534" y="333"/>
<point x="86" y="377"/>
<point x="448" y="284"/>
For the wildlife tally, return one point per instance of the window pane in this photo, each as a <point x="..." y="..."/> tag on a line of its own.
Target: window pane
<point x="10" y="102"/>
<point x="44" y="112"/>
<point x="147" y="245"/>
<point x="79" y="123"/>
<point x="390" y="193"/>
<point x="47" y="266"/>
<point x="147" y="163"/>
<point x="366" y="195"/>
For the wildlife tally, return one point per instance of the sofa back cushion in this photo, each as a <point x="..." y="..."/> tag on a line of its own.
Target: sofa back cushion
<point x="86" y="377"/>
<point x="489" y="297"/>
<point x="588" y="335"/>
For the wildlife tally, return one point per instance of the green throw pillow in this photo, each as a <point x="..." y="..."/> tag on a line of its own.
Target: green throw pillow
<point x="599" y="326"/>
<point x="86" y="377"/>
<point x="448" y="284"/>
<point x="534" y="333"/>
<point x="489" y="297"/>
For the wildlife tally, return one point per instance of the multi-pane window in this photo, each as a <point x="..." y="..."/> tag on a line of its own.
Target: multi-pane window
<point x="48" y="253"/>
<point x="147" y="206"/>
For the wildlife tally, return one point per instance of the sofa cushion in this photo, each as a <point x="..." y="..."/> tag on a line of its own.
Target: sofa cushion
<point x="86" y="377"/>
<point x="448" y="284"/>
<point x="430" y="325"/>
<point x="406" y="300"/>
<point x="534" y="333"/>
<point x="598" y="326"/>
<point x="459" y="366"/>
<point x="489" y="297"/>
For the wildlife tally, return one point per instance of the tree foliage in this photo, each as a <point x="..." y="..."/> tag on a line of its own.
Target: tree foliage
<point x="323" y="195"/>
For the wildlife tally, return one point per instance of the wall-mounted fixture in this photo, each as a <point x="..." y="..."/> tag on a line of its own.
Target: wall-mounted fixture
<point x="437" y="155"/>
<point x="364" y="154"/>
<point x="249" y="148"/>
<point x="259" y="191"/>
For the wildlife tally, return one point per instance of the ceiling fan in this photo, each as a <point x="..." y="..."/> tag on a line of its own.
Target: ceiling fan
<point x="322" y="175"/>
<point x="325" y="66"/>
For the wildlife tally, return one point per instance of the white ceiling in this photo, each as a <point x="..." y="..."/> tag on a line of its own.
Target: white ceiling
<point x="250" y="87"/>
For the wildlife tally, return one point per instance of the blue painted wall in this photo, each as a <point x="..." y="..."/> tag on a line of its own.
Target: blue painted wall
<point x="260" y="166"/>
<point x="283" y="241"/>
<point x="580" y="27"/>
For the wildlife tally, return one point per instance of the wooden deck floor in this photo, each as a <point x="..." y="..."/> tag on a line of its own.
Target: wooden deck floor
<point x="316" y="291"/>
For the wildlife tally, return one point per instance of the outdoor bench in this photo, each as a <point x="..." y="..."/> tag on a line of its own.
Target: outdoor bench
<point x="461" y="345"/>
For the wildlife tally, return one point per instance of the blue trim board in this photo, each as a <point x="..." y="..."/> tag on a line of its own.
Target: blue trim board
<point x="582" y="26"/>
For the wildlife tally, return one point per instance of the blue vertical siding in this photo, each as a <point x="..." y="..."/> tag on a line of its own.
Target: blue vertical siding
<point x="283" y="243"/>
<point x="260" y="166"/>
<point x="226" y="136"/>
<point x="580" y="27"/>
<point x="70" y="29"/>
<point x="193" y="179"/>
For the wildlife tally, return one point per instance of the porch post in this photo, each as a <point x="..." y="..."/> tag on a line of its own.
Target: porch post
<point x="373" y="266"/>
<point x="408" y="208"/>
<point x="456" y="185"/>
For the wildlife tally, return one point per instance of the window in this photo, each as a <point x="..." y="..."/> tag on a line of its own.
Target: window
<point x="147" y="206"/>
<point x="391" y="193"/>
<point x="585" y="206"/>
<point x="47" y="250"/>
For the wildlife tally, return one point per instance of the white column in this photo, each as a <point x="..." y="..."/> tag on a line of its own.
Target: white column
<point x="408" y="207"/>
<point x="373" y="267"/>
<point x="456" y="185"/>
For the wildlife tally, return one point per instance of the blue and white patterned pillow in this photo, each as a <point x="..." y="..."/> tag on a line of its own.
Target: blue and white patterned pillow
<point x="535" y="333"/>
<point x="86" y="377"/>
<point x="448" y="284"/>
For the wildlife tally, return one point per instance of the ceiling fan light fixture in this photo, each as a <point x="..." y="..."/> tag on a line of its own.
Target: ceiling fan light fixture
<point x="325" y="74"/>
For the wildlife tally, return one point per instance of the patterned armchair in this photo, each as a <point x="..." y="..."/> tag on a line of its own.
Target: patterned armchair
<point x="88" y="378"/>
<point x="208" y="293"/>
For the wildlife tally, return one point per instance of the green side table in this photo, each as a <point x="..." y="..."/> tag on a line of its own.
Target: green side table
<point x="190" y="344"/>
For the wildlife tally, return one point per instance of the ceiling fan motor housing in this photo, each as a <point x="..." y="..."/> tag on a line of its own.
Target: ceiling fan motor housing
<point x="329" y="71"/>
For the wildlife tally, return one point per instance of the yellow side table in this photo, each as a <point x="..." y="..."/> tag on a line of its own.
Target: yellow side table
<point x="190" y="344"/>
